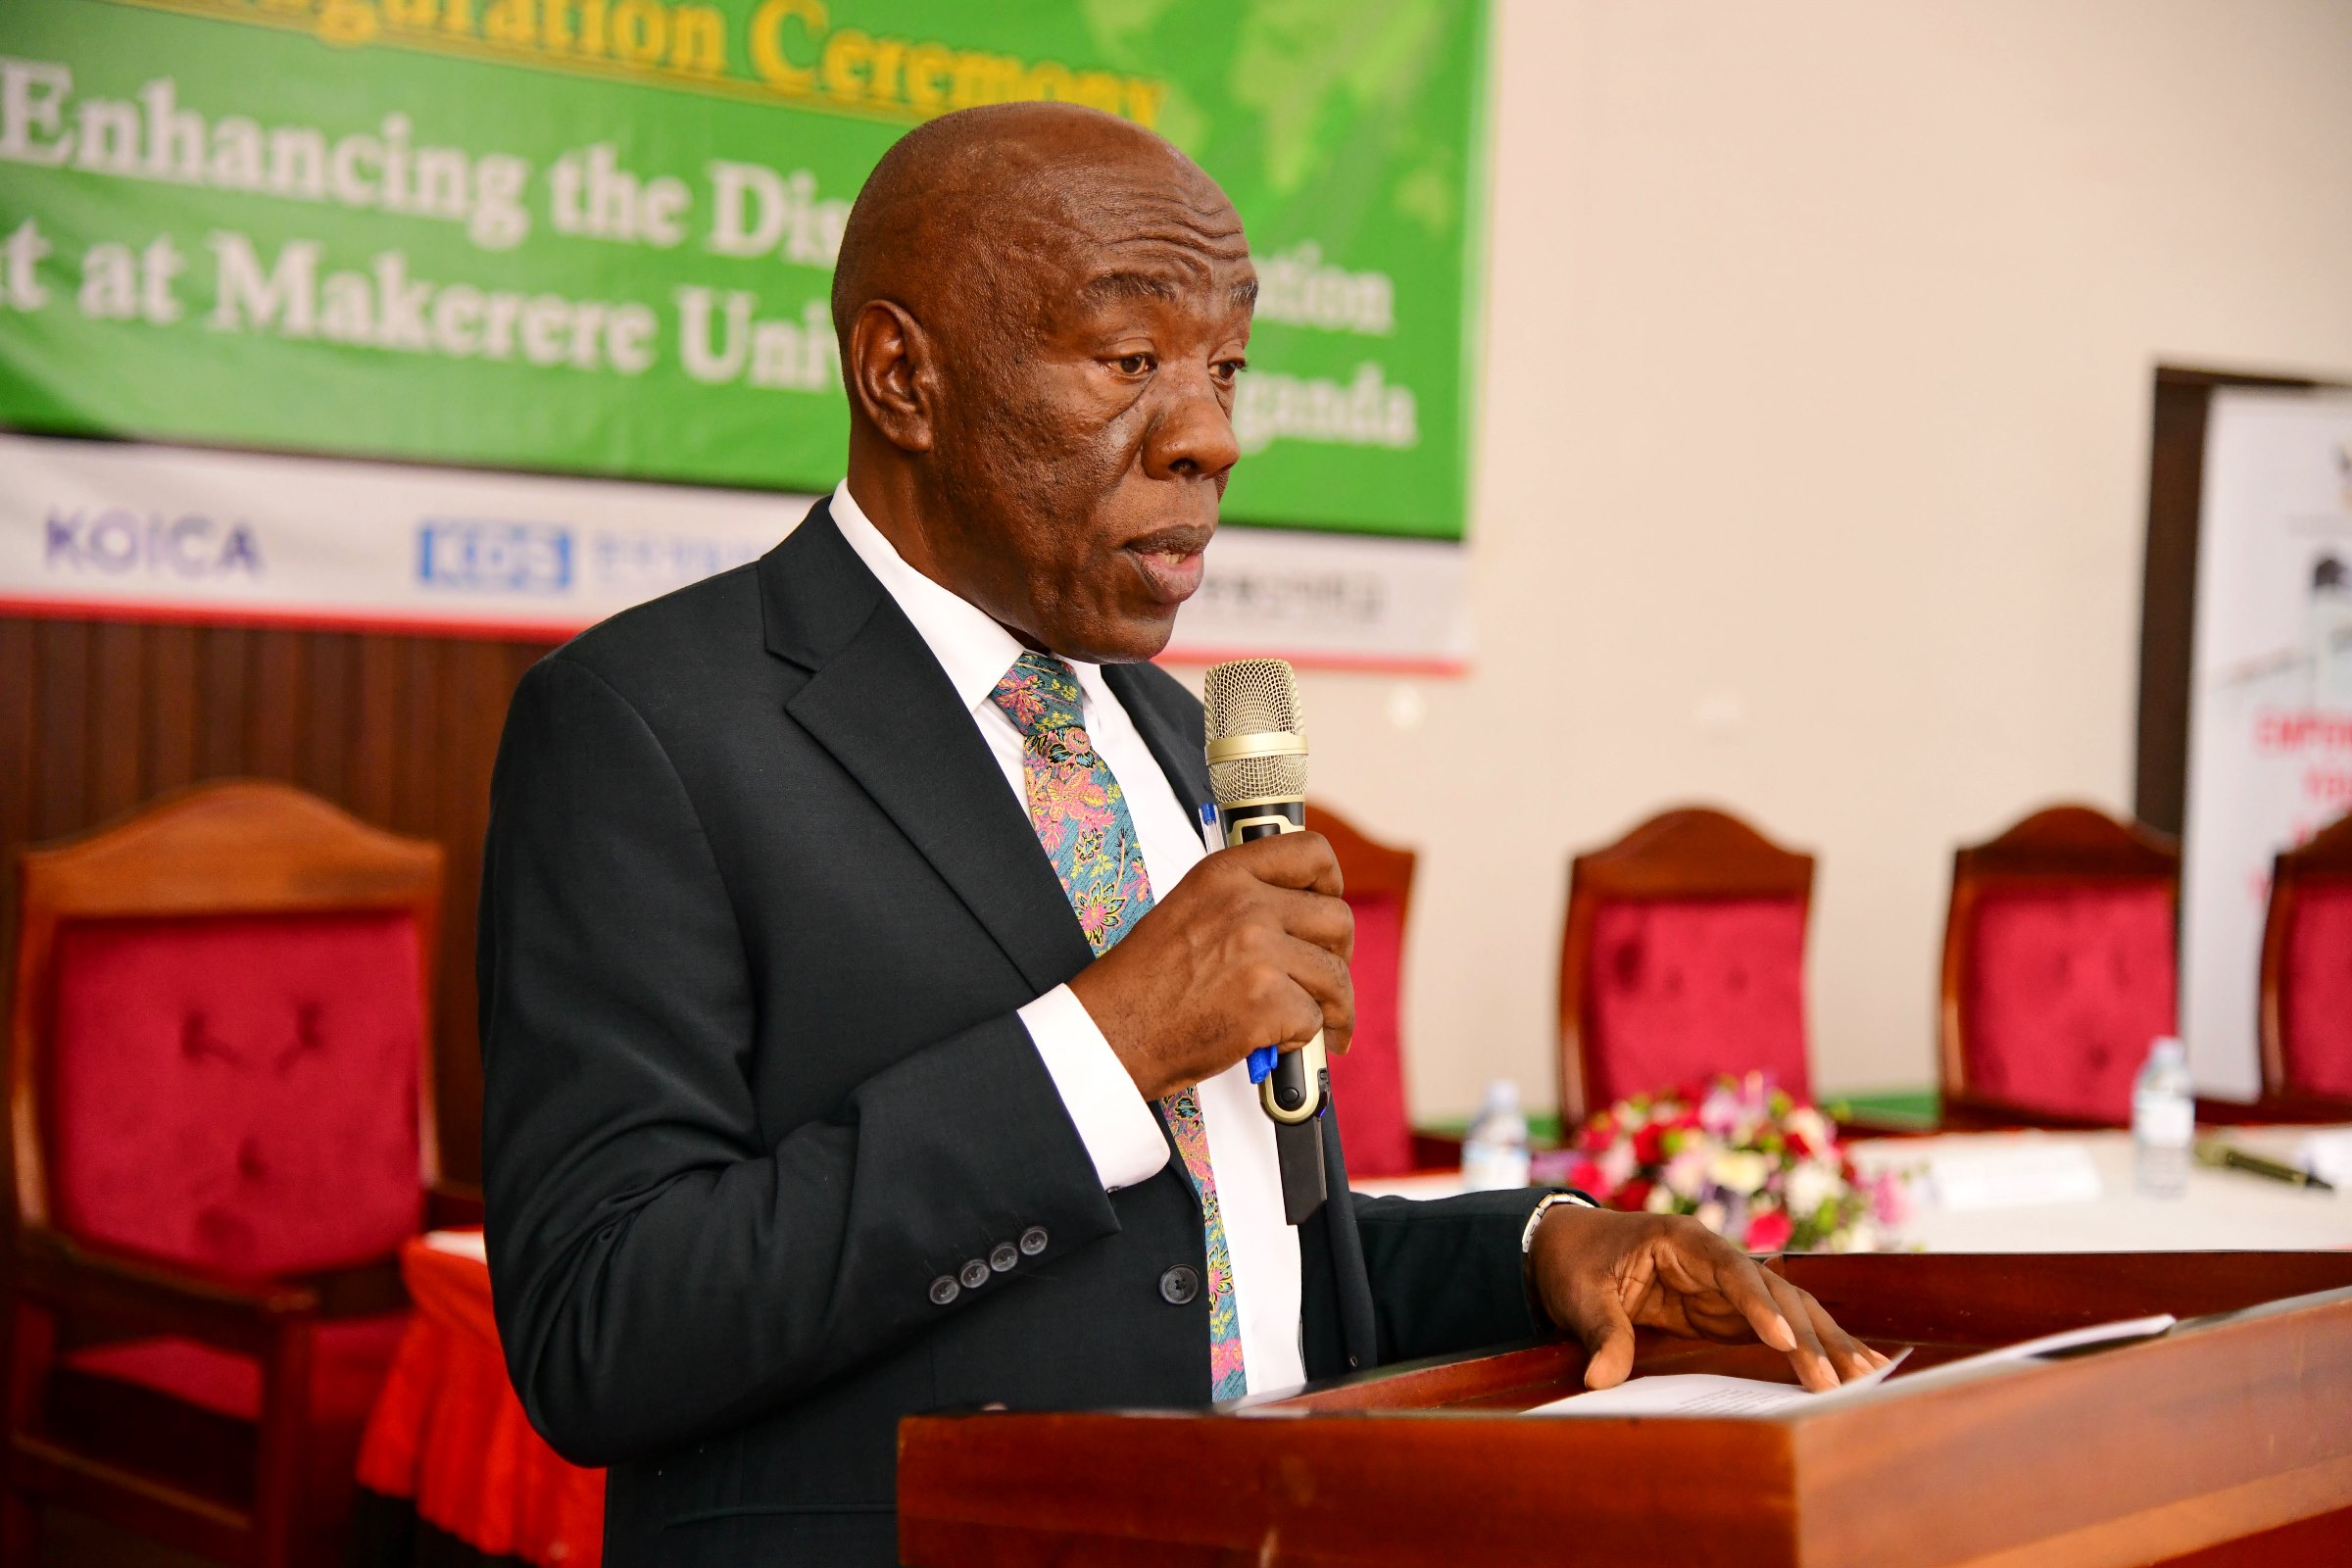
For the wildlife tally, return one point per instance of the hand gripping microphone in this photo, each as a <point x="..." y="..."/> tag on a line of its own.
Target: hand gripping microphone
<point x="1258" y="778"/>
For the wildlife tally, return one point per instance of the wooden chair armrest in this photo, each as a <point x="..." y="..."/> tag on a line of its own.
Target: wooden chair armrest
<point x="2279" y="1108"/>
<point x="1971" y="1113"/>
<point x="238" y="1314"/>
<point x="1850" y="1123"/>
<point x="452" y="1205"/>
<point x="1435" y="1151"/>
<point x="360" y="1290"/>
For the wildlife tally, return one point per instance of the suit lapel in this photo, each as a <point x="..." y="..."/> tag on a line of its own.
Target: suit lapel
<point x="1178" y="753"/>
<point x="877" y="701"/>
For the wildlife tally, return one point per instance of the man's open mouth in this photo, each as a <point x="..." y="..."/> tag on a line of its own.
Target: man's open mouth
<point x="1171" y="560"/>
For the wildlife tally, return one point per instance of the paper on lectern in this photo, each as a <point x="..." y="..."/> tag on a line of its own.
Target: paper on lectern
<point x="1705" y="1393"/>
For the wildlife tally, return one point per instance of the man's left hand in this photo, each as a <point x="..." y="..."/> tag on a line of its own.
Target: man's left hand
<point x="1602" y="1274"/>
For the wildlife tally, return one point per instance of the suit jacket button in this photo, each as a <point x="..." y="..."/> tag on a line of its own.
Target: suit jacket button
<point x="943" y="1290"/>
<point x="1033" y="1241"/>
<point x="1003" y="1258"/>
<point x="975" y="1274"/>
<point x="1179" y="1285"/>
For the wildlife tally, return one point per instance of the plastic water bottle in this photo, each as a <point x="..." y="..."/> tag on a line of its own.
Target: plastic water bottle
<point x="1495" y="1150"/>
<point x="2164" y="1120"/>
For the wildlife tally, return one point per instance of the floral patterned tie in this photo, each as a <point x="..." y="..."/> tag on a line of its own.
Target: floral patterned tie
<point x="1081" y="817"/>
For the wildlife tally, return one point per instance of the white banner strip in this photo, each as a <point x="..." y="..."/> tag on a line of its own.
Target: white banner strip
<point x="174" y="533"/>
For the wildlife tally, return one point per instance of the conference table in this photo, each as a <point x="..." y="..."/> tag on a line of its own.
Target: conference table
<point x="2054" y="1212"/>
<point x="450" y="1442"/>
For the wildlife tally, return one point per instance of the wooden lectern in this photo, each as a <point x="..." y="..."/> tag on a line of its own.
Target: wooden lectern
<point x="2229" y="1440"/>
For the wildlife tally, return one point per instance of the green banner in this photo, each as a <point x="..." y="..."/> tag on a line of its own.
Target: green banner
<point x="595" y="236"/>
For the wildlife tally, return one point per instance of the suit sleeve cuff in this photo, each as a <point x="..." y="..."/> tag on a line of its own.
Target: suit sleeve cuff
<point x="1121" y="1135"/>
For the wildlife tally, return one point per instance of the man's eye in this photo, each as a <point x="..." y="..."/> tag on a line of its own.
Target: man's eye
<point x="1228" y="369"/>
<point x="1134" y="363"/>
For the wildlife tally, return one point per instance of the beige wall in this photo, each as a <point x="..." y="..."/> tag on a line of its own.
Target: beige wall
<point x="1813" y="452"/>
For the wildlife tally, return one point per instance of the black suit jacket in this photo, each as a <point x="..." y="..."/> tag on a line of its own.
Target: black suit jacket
<point x="757" y="911"/>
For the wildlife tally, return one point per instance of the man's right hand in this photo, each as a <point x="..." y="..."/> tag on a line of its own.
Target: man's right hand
<point x="1250" y="950"/>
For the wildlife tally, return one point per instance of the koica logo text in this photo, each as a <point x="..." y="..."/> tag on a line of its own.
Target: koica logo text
<point x="118" y="542"/>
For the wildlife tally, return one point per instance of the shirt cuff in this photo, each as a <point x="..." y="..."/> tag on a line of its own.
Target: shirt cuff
<point x="1121" y="1135"/>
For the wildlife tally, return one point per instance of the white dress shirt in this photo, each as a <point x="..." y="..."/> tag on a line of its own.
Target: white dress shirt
<point x="1121" y="1135"/>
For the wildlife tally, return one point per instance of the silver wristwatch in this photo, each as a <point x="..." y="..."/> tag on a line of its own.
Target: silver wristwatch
<point x="1527" y="1237"/>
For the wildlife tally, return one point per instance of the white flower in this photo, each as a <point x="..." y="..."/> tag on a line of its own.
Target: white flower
<point x="1659" y="1201"/>
<point x="1712" y="1214"/>
<point x="1686" y="1174"/>
<point x="1813" y="1125"/>
<point x="1616" y="1163"/>
<point x="1739" y="1169"/>
<point x="1810" y="1185"/>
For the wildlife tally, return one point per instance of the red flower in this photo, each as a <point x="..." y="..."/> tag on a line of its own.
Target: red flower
<point x="1632" y="1195"/>
<point x="1600" y="1133"/>
<point x="1768" y="1231"/>
<point x="1586" y="1176"/>
<point x="1648" y="1146"/>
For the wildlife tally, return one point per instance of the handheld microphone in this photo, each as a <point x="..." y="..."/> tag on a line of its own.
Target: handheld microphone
<point x="1258" y="778"/>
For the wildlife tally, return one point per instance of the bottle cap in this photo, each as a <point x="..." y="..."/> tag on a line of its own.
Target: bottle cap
<point x="2168" y="1049"/>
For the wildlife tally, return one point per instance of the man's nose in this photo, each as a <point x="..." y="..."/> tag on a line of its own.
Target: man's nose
<point x="1192" y="437"/>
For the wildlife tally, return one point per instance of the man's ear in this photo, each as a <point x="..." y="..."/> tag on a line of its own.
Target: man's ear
<point x="892" y="374"/>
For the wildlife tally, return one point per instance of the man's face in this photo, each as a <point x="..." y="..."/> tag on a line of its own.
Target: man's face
<point x="1085" y="432"/>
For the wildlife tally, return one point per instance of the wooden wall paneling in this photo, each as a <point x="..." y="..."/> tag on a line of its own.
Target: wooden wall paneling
<point x="99" y="716"/>
<point x="476" y="677"/>
<point x="419" y="760"/>
<point x="18" y="691"/>
<point x="273" y="715"/>
<point x="223" y="728"/>
<point x="375" y="736"/>
<point x="116" y="732"/>
<point x="172" y="693"/>
<point x="62" y="732"/>
<point x="18" y="707"/>
<point x="324" y="736"/>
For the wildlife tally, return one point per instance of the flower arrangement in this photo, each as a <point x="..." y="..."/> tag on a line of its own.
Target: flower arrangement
<point x="1750" y="1162"/>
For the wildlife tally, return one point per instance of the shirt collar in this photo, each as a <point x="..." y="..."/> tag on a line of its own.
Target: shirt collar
<point x="973" y="650"/>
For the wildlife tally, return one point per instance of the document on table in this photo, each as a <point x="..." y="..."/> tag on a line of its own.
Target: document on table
<point x="2010" y="1173"/>
<point x="1705" y="1394"/>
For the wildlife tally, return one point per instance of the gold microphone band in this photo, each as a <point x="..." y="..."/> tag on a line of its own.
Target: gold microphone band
<point x="1231" y="807"/>
<point x="1265" y="743"/>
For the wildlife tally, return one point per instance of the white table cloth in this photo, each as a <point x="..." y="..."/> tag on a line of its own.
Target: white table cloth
<point x="2221" y="1209"/>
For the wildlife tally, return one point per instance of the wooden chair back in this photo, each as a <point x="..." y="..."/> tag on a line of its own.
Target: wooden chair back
<point x="1700" y="867"/>
<point x="1368" y="1082"/>
<point x="2306" y="980"/>
<point x="2058" y="967"/>
<point x="240" y="847"/>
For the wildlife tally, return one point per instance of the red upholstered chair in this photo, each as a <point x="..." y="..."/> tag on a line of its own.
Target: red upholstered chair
<point x="223" y="1131"/>
<point x="2306" y="985"/>
<point x="1684" y="957"/>
<point x="2058" y="969"/>
<point x="1367" y="1084"/>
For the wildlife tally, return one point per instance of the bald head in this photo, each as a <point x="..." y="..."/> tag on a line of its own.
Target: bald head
<point x="1043" y="309"/>
<point x="967" y="206"/>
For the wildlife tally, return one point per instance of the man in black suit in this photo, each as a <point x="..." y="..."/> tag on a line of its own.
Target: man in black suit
<point x="825" y="1082"/>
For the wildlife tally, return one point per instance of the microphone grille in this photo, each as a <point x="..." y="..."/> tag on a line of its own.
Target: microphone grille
<point x="1254" y="697"/>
